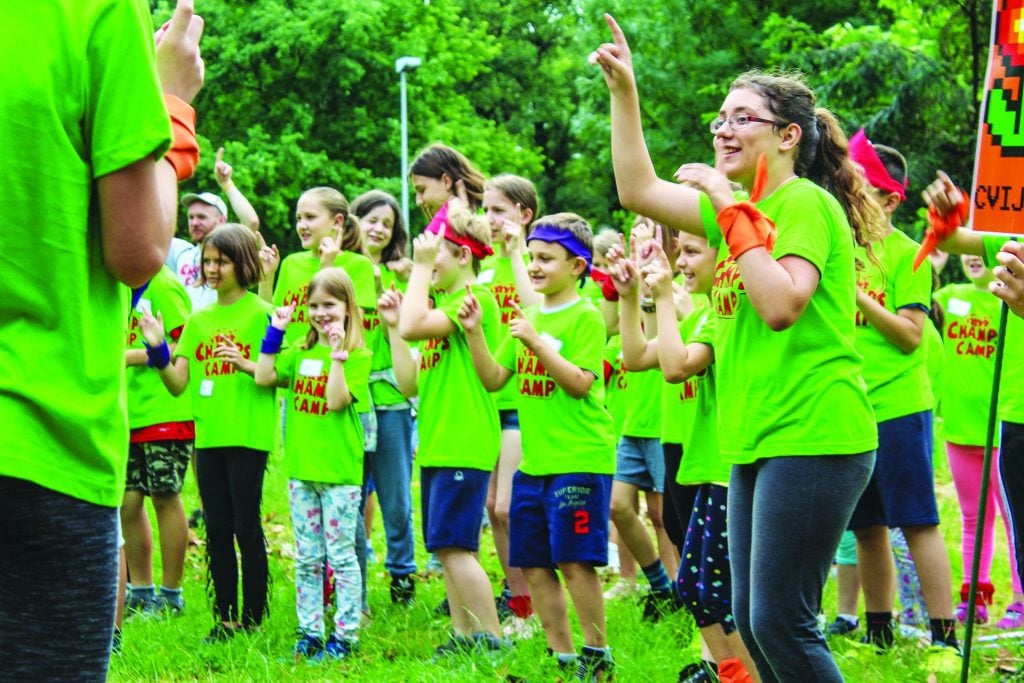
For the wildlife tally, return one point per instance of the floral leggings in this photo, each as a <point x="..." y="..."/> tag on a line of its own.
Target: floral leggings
<point x="324" y="517"/>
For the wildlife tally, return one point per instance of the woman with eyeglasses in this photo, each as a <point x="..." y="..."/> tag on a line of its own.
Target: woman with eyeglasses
<point x="794" y="418"/>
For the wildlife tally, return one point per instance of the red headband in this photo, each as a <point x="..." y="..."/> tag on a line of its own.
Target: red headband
<point x="864" y="154"/>
<point x="439" y="224"/>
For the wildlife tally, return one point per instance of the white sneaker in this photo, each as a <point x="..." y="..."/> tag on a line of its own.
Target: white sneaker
<point x="621" y="589"/>
<point x="517" y="628"/>
<point x="613" y="561"/>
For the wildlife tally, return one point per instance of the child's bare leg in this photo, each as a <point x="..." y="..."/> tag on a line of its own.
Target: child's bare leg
<point x="550" y="605"/>
<point x="585" y="589"/>
<point x="631" y="529"/>
<point x="469" y="593"/>
<point x="138" y="537"/>
<point x="170" y="518"/>
<point x="666" y="549"/>
<point x="499" y="501"/>
<point x="722" y="647"/>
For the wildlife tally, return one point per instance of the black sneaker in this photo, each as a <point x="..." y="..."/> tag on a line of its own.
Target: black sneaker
<point x="840" y="627"/>
<point x="442" y="610"/>
<point x="699" y="672"/>
<point x="403" y="589"/>
<point x="455" y="645"/>
<point x="657" y="605"/>
<point x="595" y="665"/>
<point x="219" y="634"/>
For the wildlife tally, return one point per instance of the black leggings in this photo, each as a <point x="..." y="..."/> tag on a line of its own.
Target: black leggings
<point x="58" y="584"/>
<point x="1011" y="474"/>
<point x="677" y="505"/>
<point x="231" y="486"/>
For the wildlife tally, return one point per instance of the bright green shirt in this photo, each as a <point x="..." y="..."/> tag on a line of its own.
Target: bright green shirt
<point x="935" y="359"/>
<point x="496" y="275"/>
<point x="383" y="384"/>
<point x="798" y="391"/>
<point x="614" y="394"/>
<point x="228" y="407"/>
<point x="321" y="445"/>
<point x="970" y="334"/>
<point x="293" y="286"/>
<point x="1011" y="397"/>
<point x="897" y="382"/>
<point x="679" y="401"/>
<point x="629" y="394"/>
<point x="702" y="462"/>
<point x="562" y="434"/>
<point x="80" y="100"/>
<point x="457" y="420"/>
<point x="149" y="402"/>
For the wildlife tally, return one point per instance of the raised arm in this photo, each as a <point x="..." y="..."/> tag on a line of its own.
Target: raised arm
<point x="573" y="379"/>
<point x="638" y="185"/>
<point x="239" y="204"/>
<point x="265" y="372"/>
<point x="492" y="375"/>
<point x="174" y="374"/>
<point x="418" y="321"/>
<point x="402" y="361"/>
<point x="944" y="197"/>
<point x="337" y="394"/>
<point x="512" y="233"/>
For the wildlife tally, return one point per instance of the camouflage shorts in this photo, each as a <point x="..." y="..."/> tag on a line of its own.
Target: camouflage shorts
<point x="158" y="466"/>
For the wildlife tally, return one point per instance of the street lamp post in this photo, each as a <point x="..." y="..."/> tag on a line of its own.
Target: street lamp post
<point x="403" y="65"/>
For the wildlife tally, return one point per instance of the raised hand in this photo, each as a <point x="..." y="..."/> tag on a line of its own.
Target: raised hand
<point x="708" y="180"/>
<point x="178" y="62"/>
<point x="330" y="247"/>
<point x="282" y="316"/>
<point x="270" y="257"/>
<point x="658" y="276"/>
<point x="388" y="306"/>
<point x="512" y="234"/>
<point x="222" y="170"/>
<point x="228" y="350"/>
<point x="470" y="314"/>
<point x="336" y="335"/>
<point x="152" y="328"/>
<point x="521" y="328"/>
<point x="615" y="59"/>
<point x="625" y="276"/>
<point x="942" y="194"/>
<point x="424" y="248"/>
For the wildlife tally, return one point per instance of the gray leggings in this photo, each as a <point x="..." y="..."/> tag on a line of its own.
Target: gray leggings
<point x="786" y="516"/>
<point x="58" y="584"/>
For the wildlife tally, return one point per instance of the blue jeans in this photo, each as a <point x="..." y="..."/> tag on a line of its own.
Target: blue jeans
<point x="391" y="465"/>
<point x="786" y="516"/>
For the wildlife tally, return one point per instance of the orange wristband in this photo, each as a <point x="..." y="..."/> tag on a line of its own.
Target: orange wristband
<point x="745" y="227"/>
<point x="184" y="152"/>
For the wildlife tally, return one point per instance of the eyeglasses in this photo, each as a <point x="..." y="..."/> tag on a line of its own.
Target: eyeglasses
<point x="740" y="121"/>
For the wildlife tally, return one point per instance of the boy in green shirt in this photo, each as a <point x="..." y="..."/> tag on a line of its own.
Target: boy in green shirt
<point x="560" y="495"/>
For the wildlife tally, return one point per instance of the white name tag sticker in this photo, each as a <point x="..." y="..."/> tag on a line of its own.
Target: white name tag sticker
<point x="144" y="306"/>
<point x="206" y="387"/>
<point x="554" y="343"/>
<point x="959" y="307"/>
<point x="311" y="367"/>
<point x="485" y="277"/>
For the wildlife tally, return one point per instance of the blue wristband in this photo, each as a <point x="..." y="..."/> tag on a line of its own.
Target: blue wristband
<point x="272" y="340"/>
<point x="159" y="357"/>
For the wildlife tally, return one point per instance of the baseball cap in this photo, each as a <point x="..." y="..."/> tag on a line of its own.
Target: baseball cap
<point x="206" y="198"/>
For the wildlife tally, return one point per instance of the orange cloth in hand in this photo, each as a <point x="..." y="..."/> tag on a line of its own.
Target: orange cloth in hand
<point x="942" y="227"/>
<point x="743" y="225"/>
<point x="184" y="152"/>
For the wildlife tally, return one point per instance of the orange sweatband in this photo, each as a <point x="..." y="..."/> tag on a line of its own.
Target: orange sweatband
<point x="941" y="228"/>
<point x="184" y="152"/>
<point x="745" y="227"/>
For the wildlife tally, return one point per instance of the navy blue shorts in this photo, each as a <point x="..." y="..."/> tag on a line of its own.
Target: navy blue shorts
<point x="453" y="502"/>
<point x="509" y="420"/>
<point x="559" y="518"/>
<point x="901" y="491"/>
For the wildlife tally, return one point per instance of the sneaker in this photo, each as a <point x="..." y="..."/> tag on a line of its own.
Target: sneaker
<point x="339" y="648"/>
<point x="621" y="589"/>
<point x="403" y="589"/>
<point x="980" y="613"/>
<point x="567" y="663"/>
<point x="219" y="634"/>
<point x="455" y="645"/>
<point x="518" y="628"/>
<point x="698" y="672"/>
<point x="1013" y="619"/>
<point x="488" y="643"/>
<point x="841" y="626"/>
<point x="595" y="665"/>
<point x="162" y="604"/>
<point x="309" y="647"/>
<point x="140" y="599"/>
<point x="657" y="605"/>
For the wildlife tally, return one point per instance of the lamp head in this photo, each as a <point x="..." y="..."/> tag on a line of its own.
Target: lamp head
<point x="406" y="64"/>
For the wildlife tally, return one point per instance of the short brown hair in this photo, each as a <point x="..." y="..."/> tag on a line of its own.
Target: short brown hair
<point x="238" y="244"/>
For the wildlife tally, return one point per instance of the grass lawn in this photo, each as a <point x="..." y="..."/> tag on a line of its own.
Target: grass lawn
<point x="397" y="643"/>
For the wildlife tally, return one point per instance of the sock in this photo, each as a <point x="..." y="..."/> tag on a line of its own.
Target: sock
<point x="173" y="596"/>
<point x="944" y="631"/>
<point x="143" y="592"/>
<point x="520" y="605"/>
<point x="849" y="618"/>
<point x="657" y="577"/>
<point x="564" y="658"/>
<point x="879" y="627"/>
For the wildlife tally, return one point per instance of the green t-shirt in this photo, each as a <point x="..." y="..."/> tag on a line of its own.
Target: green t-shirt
<point x="80" y="100"/>
<point x="383" y="383"/>
<point x="798" y="391"/>
<point x="934" y="359"/>
<point x="897" y="382"/>
<point x="628" y="396"/>
<point x="702" y="463"/>
<point x="293" y="285"/>
<point x="614" y="394"/>
<point x="321" y="445"/>
<point x="679" y="401"/>
<point x="970" y="333"/>
<point x="496" y="275"/>
<point x="1011" y="397"/>
<point x="457" y="420"/>
<point x="228" y="407"/>
<point x="562" y="434"/>
<point x="149" y="402"/>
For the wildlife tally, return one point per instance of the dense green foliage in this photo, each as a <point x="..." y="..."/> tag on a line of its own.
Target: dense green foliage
<point x="305" y="93"/>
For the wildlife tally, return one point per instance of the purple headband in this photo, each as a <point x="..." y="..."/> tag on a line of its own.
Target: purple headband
<point x="545" y="232"/>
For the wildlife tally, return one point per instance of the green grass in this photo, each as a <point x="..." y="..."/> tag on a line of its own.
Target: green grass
<point x="397" y="643"/>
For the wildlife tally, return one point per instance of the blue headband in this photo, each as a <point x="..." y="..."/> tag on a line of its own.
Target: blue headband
<point x="545" y="232"/>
